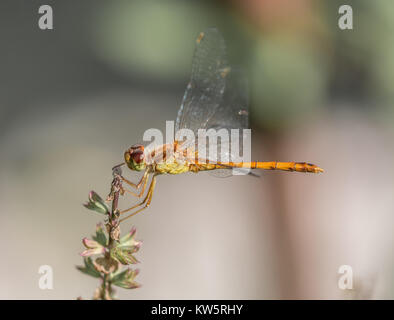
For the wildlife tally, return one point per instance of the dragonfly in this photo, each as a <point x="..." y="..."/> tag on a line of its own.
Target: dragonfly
<point x="215" y="97"/>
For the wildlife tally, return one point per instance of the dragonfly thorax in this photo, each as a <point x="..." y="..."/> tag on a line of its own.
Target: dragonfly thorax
<point x="172" y="166"/>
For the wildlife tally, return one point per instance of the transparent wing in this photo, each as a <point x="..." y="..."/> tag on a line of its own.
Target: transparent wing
<point x="232" y="113"/>
<point x="215" y="98"/>
<point x="233" y="110"/>
<point x="205" y="90"/>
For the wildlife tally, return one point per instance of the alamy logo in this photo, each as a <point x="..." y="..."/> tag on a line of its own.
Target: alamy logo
<point x="46" y="20"/>
<point x="46" y="280"/>
<point x="345" y="21"/>
<point x="345" y="281"/>
<point x="209" y="146"/>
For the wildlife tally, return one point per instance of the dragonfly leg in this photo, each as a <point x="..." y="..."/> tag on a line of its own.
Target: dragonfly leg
<point x="145" y="203"/>
<point x="142" y="182"/>
<point x="138" y="185"/>
<point x="118" y="166"/>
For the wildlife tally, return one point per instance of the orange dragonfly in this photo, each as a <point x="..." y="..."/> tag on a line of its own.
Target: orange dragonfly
<point x="216" y="97"/>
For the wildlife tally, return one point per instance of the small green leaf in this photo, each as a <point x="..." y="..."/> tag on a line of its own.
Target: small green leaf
<point x="129" y="241"/>
<point x="127" y="246"/>
<point x="89" y="268"/>
<point x="93" y="247"/>
<point x="118" y="276"/>
<point x="124" y="255"/>
<point x="125" y="279"/>
<point x="97" y="204"/>
<point x="100" y="236"/>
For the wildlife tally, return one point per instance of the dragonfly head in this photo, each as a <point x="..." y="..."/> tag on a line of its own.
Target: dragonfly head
<point x="135" y="157"/>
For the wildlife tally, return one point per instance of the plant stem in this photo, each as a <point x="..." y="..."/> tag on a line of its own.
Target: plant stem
<point x="114" y="255"/>
<point x="113" y="224"/>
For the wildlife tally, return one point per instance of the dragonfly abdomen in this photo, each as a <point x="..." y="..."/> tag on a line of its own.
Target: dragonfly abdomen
<point x="273" y="165"/>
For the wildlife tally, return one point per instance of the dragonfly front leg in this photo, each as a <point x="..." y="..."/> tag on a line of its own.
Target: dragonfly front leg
<point x="143" y="182"/>
<point x="138" y="185"/>
<point x="145" y="203"/>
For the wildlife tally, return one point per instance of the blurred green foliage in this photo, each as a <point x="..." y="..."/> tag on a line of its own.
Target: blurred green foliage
<point x="297" y="60"/>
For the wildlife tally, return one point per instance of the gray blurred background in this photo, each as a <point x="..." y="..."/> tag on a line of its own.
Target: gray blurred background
<point x="74" y="98"/>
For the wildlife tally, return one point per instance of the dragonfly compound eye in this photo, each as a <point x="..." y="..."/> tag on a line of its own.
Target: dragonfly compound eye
<point x="137" y="156"/>
<point x="137" y="147"/>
